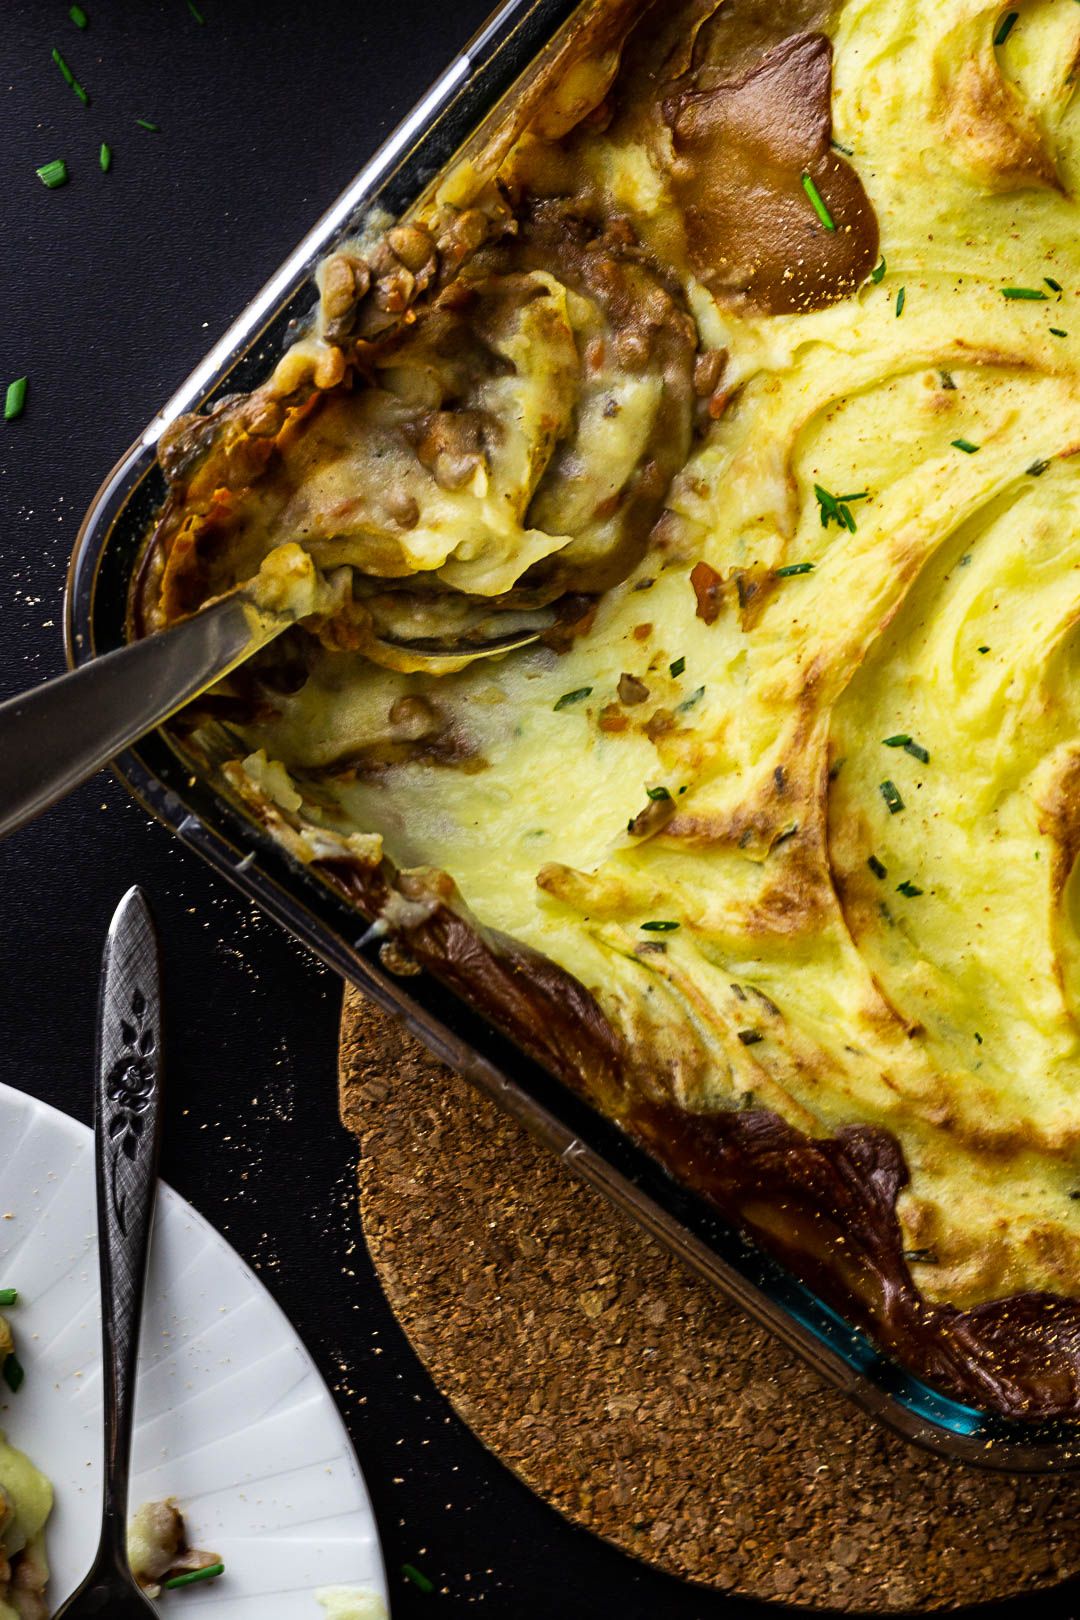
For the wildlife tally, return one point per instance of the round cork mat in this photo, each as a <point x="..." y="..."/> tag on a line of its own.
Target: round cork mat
<point x="635" y="1399"/>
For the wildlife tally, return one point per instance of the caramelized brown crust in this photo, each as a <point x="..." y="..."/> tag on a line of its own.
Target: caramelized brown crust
<point x="743" y="147"/>
<point x="826" y="1206"/>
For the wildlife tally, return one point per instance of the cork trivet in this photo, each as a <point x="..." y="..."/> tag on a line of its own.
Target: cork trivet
<point x="634" y="1398"/>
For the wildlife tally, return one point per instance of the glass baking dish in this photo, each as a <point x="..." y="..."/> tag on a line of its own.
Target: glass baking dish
<point x="461" y="110"/>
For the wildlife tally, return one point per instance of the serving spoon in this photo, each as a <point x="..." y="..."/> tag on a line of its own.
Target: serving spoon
<point x="126" y="1137"/>
<point x="58" y="734"/>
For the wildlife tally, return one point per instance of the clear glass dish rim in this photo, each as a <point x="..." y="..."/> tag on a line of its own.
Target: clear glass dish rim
<point x="478" y="81"/>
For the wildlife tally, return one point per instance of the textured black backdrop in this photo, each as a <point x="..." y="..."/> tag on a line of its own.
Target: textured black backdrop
<point x="111" y="289"/>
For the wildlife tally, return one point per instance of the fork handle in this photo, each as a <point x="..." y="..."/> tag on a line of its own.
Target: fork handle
<point x="126" y="1140"/>
<point x="56" y="735"/>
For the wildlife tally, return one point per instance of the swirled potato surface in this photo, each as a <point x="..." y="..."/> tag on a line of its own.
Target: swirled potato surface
<point x="800" y="801"/>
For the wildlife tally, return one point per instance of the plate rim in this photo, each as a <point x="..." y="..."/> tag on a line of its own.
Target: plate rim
<point x="84" y="1136"/>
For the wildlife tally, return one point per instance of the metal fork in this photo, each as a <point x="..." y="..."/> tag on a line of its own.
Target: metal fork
<point x="127" y="1133"/>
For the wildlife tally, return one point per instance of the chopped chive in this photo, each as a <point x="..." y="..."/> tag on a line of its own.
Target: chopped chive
<point x="848" y="151"/>
<point x="571" y="697"/>
<point x="14" y="1372"/>
<point x="922" y="1257"/>
<point x="78" y="16"/>
<point x="210" y="1573"/>
<point x="984" y="649"/>
<point x="817" y="203"/>
<point x="15" y="399"/>
<point x="846" y="517"/>
<point x="978" y="1038"/>
<point x="890" y="793"/>
<point x="417" y="1577"/>
<point x="900" y="300"/>
<point x="901" y="739"/>
<point x="790" y="569"/>
<point x="965" y="445"/>
<point x="917" y="751"/>
<point x="876" y="867"/>
<point x="660" y="927"/>
<point x="658" y="793"/>
<point x="144" y="123"/>
<point x="69" y="78"/>
<point x="908" y="888"/>
<point x="677" y="667"/>
<point x="947" y="380"/>
<point x="830" y="510"/>
<point x="8" y="1296"/>
<point x="53" y="174"/>
<point x="1036" y="469"/>
<point x="1055" y="286"/>
<point x="105" y="157"/>
<point x="1033" y="295"/>
<point x="878" y="272"/>
<point x="750" y="1037"/>
<point x="860" y="495"/>
<point x="1056" y="331"/>
<point x="1005" y="27"/>
<point x="198" y="16"/>
<point x="688" y="703"/>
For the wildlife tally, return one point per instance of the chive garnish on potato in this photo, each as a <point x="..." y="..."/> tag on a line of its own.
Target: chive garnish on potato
<point x="1005" y="27"/>
<point x="571" y="697"/>
<point x="891" y="794"/>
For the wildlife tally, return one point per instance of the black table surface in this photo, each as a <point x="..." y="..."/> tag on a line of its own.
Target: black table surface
<point x="113" y="287"/>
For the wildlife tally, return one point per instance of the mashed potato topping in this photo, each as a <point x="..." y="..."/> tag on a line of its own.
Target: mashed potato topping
<point x="796" y="795"/>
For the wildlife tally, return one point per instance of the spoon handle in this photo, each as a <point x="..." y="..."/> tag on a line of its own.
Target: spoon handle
<point x="57" y="734"/>
<point x="127" y="1134"/>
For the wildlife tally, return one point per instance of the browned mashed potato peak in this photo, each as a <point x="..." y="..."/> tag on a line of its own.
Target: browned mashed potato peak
<point x="768" y="844"/>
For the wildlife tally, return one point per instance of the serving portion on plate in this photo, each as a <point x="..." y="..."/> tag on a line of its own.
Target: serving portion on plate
<point x="233" y="1422"/>
<point x="740" y="369"/>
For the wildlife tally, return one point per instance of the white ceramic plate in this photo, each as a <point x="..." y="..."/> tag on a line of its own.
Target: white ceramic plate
<point x="233" y="1419"/>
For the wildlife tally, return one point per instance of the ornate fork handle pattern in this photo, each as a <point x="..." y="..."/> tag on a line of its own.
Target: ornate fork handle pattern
<point x="129" y="1073"/>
